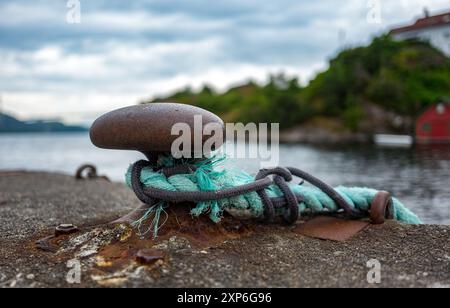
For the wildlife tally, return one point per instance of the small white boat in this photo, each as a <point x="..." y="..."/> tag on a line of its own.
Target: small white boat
<point x="394" y="140"/>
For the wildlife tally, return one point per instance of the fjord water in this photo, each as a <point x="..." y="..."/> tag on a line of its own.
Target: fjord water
<point x="419" y="177"/>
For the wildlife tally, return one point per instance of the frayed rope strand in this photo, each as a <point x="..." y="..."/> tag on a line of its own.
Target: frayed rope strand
<point x="153" y="212"/>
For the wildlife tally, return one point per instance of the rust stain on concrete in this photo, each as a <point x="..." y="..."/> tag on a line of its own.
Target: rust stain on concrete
<point x="331" y="228"/>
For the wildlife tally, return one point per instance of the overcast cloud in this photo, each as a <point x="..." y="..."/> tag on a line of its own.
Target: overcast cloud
<point x="125" y="51"/>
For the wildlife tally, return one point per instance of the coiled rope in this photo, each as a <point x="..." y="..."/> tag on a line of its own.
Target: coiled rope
<point x="269" y="195"/>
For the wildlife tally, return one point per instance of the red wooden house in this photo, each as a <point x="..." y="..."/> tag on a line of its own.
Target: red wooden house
<point x="433" y="126"/>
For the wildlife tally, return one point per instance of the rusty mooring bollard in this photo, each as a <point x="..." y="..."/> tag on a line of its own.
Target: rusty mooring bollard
<point x="148" y="129"/>
<point x="153" y="129"/>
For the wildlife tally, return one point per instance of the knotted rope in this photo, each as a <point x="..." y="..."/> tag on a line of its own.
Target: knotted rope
<point x="269" y="195"/>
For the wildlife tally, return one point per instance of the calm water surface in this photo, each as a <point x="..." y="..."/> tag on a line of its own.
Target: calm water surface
<point x="418" y="176"/>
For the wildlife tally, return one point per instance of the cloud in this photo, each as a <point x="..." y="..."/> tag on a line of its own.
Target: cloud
<point x="124" y="51"/>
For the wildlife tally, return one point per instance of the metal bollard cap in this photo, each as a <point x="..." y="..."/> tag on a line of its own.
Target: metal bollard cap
<point x="147" y="128"/>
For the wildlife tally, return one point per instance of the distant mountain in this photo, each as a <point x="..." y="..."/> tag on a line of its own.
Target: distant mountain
<point x="9" y="124"/>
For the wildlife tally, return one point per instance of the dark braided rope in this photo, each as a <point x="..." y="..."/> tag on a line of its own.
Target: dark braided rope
<point x="330" y="191"/>
<point x="269" y="209"/>
<point x="292" y="213"/>
<point x="290" y="200"/>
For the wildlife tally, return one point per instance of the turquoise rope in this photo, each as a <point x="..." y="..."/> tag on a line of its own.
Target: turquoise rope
<point x="207" y="177"/>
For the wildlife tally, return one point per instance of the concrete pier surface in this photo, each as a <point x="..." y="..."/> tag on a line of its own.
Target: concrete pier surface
<point x="192" y="252"/>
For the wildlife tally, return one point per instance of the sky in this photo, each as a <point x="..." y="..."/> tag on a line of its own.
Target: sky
<point x="56" y="63"/>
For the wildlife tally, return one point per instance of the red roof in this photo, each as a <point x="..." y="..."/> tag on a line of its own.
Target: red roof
<point x="426" y="22"/>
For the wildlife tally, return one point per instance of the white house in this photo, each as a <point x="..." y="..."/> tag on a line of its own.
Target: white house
<point x="434" y="29"/>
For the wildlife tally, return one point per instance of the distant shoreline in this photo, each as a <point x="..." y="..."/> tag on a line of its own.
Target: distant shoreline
<point x="9" y="124"/>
